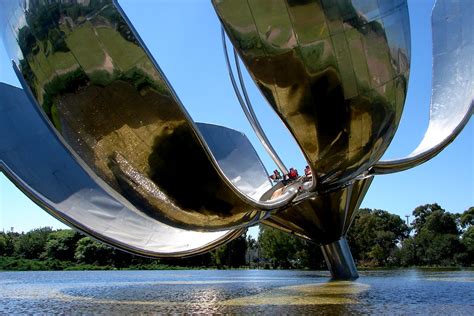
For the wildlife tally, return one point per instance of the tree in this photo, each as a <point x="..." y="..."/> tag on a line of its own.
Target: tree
<point x="3" y="244"/>
<point x="468" y="242"/>
<point x="375" y="235"/>
<point x="90" y="251"/>
<point x="284" y="250"/>
<point x="407" y="253"/>
<point x="252" y="255"/>
<point x="421" y="213"/>
<point x="232" y="254"/>
<point x="466" y="221"/>
<point x="32" y="244"/>
<point x="467" y="218"/>
<point x="309" y="256"/>
<point x="61" y="245"/>
<point x="10" y="240"/>
<point x="278" y="247"/>
<point x="437" y="236"/>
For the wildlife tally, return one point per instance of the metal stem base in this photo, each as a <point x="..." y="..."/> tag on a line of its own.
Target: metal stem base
<point x="339" y="260"/>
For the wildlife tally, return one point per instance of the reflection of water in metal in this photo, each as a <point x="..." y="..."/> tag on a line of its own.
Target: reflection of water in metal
<point x="122" y="160"/>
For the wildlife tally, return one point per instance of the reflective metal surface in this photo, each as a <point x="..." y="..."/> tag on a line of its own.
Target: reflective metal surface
<point x="237" y="158"/>
<point x="324" y="217"/>
<point x="37" y="162"/>
<point x="106" y="146"/>
<point x="339" y="260"/>
<point x="335" y="72"/>
<point x="452" y="100"/>
<point x="112" y="106"/>
<point x="248" y="109"/>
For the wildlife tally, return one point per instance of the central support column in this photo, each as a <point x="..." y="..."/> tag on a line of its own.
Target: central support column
<point x="339" y="260"/>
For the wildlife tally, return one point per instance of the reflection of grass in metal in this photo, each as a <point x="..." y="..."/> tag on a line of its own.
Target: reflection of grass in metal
<point x="85" y="46"/>
<point x="332" y="293"/>
<point x="123" y="53"/>
<point x="55" y="117"/>
<point x="309" y="22"/>
<point x="59" y="60"/>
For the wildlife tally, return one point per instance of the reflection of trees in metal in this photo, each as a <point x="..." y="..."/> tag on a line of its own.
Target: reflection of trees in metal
<point x="37" y="161"/>
<point x="331" y="72"/>
<point x="111" y="100"/>
<point x="335" y="72"/>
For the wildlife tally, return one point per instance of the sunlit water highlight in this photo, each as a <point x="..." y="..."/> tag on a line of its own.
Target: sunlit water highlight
<point x="240" y="291"/>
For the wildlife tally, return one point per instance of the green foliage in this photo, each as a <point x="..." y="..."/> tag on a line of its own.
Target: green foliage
<point x="436" y="241"/>
<point x="467" y="218"/>
<point x="101" y="77"/>
<point x="32" y="244"/>
<point x="375" y="235"/>
<point x="309" y="256"/>
<point x="421" y="213"/>
<point x="278" y="247"/>
<point x="67" y="83"/>
<point x="3" y="244"/>
<point x="61" y="245"/>
<point x="27" y="41"/>
<point x="141" y="80"/>
<point x="16" y="264"/>
<point x="41" y="19"/>
<point x="440" y="222"/>
<point x="56" y="38"/>
<point x="88" y="267"/>
<point x="89" y="251"/>
<point x="377" y="238"/>
<point x="437" y="249"/>
<point x="468" y="243"/>
<point x="231" y="254"/>
<point x="10" y="239"/>
<point x="406" y="255"/>
<point x="285" y="251"/>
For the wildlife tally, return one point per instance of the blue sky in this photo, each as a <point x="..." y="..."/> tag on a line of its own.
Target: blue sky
<point x="184" y="37"/>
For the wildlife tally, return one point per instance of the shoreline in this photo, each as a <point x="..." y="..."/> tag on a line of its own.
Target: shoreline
<point x="11" y="264"/>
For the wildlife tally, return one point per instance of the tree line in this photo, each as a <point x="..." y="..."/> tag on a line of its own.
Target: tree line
<point x="377" y="239"/>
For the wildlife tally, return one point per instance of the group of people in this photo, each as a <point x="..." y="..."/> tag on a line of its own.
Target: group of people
<point x="292" y="175"/>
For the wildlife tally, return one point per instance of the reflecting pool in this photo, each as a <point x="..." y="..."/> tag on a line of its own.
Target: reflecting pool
<point x="237" y="291"/>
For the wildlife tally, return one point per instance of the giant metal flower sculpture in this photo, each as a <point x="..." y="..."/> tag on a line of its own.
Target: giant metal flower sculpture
<point x="99" y="139"/>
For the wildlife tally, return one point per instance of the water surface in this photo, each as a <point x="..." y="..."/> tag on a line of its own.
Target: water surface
<point x="237" y="291"/>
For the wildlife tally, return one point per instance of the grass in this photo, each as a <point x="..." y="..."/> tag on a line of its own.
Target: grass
<point x="57" y="60"/>
<point x="84" y="44"/>
<point x="123" y="53"/>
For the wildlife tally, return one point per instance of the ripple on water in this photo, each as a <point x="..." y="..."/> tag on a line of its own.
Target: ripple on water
<point x="269" y="292"/>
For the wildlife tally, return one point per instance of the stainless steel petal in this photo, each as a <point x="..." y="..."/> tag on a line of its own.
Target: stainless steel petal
<point x="96" y="82"/>
<point x="237" y="158"/>
<point x="334" y="71"/>
<point x="37" y="162"/>
<point x="452" y="100"/>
